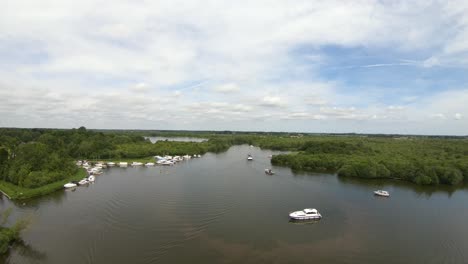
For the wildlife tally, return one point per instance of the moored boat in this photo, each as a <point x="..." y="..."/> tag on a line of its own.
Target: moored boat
<point x="149" y="164"/>
<point x="269" y="172"/>
<point x="83" y="181"/>
<point x="91" y="178"/>
<point x="306" y="214"/>
<point x="70" y="185"/>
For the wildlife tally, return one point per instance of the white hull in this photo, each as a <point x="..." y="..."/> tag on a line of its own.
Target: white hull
<point x="306" y="218"/>
<point x="306" y="214"/>
<point x="69" y="185"/>
<point x="83" y="182"/>
<point x="382" y="193"/>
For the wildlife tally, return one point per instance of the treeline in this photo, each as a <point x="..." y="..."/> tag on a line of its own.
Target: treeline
<point x="419" y="160"/>
<point x="32" y="158"/>
<point x="35" y="157"/>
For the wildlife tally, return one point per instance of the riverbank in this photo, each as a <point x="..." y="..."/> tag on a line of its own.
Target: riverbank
<point x="15" y="192"/>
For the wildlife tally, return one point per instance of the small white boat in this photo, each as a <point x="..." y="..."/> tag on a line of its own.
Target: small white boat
<point x="136" y="163"/>
<point x="249" y="157"/>
<point x="83" y="181"/>
<point x="149" y="164"/>
<point x="269" y="172"/>
<point x="123" y="164"/>
<point x="91" y="178"/>
<point x="70" y="185"/>
<point x="382" y="193"/>
<point x="306" y="214"/>
<point x="110" y="164"/>
<point x="166" y="162"/>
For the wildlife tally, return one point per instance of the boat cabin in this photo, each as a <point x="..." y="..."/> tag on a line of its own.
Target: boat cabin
<point x="310" y="211"/>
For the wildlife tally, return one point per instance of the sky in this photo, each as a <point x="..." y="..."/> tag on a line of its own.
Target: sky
<point x="358" y="66"/>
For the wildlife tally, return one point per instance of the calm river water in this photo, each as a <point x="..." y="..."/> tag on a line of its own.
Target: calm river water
<point x="223" y="209"/>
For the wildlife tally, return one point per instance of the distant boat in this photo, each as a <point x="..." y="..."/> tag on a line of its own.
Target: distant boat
<point x="70" y="185"/>
<point x="382" y="193"/>
<point x="91" y="178"/>
<point x="110" y="164"/>
<point x="149" y="164"/>
<point x="123" y="164"/>
<point x="136" y="163"/>
<point x="306" y="214"/>
<point x="83" y="181"/>
<point x="269" y="172"/>
<point x="165" y="162"/>
<point x="250" y="157"/>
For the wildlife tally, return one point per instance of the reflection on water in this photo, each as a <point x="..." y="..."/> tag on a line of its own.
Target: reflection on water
<point x="223" y="208"/>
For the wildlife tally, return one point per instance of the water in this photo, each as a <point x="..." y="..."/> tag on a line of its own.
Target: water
<point x="183" y="139"/>
<point x="223" y="209"/>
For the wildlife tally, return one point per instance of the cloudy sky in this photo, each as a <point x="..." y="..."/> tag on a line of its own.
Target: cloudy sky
<point x="312" y="66"/>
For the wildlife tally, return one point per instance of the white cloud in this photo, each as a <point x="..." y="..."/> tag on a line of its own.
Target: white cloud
<point x="272" y="101"/>
<point x="438" y="116"/>
<point x="218" y="60"/>
<point x="140" y="88"/>
<point x="227" y="88"/>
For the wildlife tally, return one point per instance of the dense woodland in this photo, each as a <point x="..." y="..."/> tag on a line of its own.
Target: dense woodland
<point x="32" y="158"/>
<point x="420" y="160"/>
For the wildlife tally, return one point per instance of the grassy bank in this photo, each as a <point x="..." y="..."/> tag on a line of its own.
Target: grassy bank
<point x="18" y="193"/>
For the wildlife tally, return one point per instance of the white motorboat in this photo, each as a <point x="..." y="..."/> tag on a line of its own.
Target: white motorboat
<point x="269" y="172"/>
<point x="306" y="214"/>
<point x="91" y="178"/>
<point x="382" y="193"/>
<point x="83" y="181"/>
<point x="111" y="164"/>
<point x="149" y="164"/>
<point x="70" y="185"/>
<point x="123" y="164"/>
<point x="136" y="163"/>
<point x="166" y="162"/>
<point x="186" y="157"/>
<point x="249" y="157"/>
